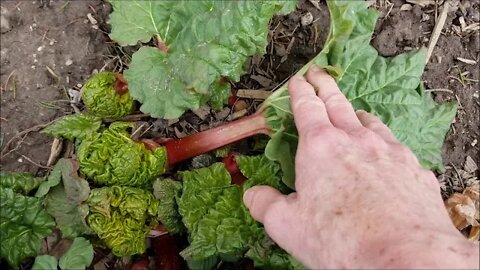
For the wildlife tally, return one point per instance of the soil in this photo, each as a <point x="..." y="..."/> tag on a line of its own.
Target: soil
<point x="46" y="49"/>
<point x="49" y="48"/>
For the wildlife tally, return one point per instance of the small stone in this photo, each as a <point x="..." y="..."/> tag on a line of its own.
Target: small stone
<point x="306" y="19"/>
<point x="474" y="142"/>
<point x="475" y="95"/>
<point x="68" y="62"/>
<point x="406" y="7"/>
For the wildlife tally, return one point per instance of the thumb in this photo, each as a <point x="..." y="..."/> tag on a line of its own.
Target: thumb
<point x="258" y="200"/>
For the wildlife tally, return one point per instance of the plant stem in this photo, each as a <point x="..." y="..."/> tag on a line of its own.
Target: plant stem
<point x="206" y="141"/>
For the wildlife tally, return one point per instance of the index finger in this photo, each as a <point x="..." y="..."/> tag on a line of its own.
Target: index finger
<point x="308" y="109"/>
<point x="339" y="109"/>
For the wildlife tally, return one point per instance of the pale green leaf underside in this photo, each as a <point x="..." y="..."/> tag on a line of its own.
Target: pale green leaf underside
<point x="78" y="256"/>
<point x="388" y="87"/>
<point x="207" y="40"/>
<point x="44" y="262"/>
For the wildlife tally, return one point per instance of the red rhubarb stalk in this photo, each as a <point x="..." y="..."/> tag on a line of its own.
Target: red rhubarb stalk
<point x="206" y="141"/>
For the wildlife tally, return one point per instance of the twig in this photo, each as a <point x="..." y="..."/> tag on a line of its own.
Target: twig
<point x="20" y="134"/>
<point x="34" y="163"/>
<point x="253" y="94"/>
<point x="8" y="79"/>
<point x="55" y="151"/>
<point x="128" y="118"/>
<point x="437" y="30"/>
<point x="439" y="90"/>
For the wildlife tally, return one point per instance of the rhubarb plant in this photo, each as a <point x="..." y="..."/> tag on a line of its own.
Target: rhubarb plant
<point x="210" y="206"/>
<point x="201" y="45"/>
<point x="23" y="219"/>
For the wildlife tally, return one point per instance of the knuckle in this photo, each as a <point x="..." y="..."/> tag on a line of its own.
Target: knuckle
<point x="306" y="102"/>
<point x="403" y="152"/>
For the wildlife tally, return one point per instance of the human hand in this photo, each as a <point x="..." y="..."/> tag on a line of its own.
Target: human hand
<point x="362" y="200"/>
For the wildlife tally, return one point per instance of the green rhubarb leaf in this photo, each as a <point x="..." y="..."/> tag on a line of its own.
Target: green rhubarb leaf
<point x="219" y="225"/>
<point x="20" y="182"/>
<point x="23" y="224"/>
<point x="102" y="100"/>
<point x="78" y="256"/>
<point x="388" y="87"/>
<point x="166" y="191"/>
<point x="113" y="158"/>
<point x="73" y="126"/>
<point x="45" y="262"/>
<point x="206" y="40"/>
<point x="122" y="217"/>
<point x="66" y="201"/>
<point x="265" y="254"/>
<point x="53" y="180"/>
<point x="259" y="170"/>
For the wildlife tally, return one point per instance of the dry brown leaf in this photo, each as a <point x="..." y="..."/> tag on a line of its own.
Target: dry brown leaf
<point x="474" y="234"/>
<point x="202" y="112"/>
<point x="253" y="94"/>
<point x="470" y="165"/>
<point x="464" y="208"/>
<point x="461" y="210"/>
<point x="262" y="80"/>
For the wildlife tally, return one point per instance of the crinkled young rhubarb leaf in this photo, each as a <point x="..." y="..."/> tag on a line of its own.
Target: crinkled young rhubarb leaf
<point x="388" y="87"/>
<point x="101" y="98"/>
<point x="23" y="224"/>
<point x="75" y="126"/>
<point x="122" y="217"/>
<point x="65" y="201"/>
<point x="113" y="158"/>
<point x="219" y="225"/>
<point x="78" y="256"/>
<point x="267" y="255"/>
<point x="206" y="40"/>
<point x="166" y="191"/>
<point x="20" y="182"/>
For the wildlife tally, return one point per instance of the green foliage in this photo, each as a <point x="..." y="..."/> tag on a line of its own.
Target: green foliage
<point x="19" y="182"/>
<point x="218" y="223"/>
<point x="78" y="256"/>
<point x="112" y="158"/>
<point x="66" y="198"/>
<point x="388" y="87"/>
<point x="122" y="217"/>
<point x="166" y="191"/>
<point x="102" y="100"/>
<point x="207" y="41"/>
<point x="44" y="262"/>
<point x="23" y="224"/>
<point x="73" y="126"/>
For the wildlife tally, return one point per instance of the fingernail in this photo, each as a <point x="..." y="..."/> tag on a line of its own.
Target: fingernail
<point x="314" y="68"/>
<point x="248" y="197"/>
<point x="298" y="77"/>
<point x="360" y="111"/>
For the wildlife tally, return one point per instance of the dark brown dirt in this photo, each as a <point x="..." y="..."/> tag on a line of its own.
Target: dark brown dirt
<point x="39" y="37"/>
<point x="401" y="31"/>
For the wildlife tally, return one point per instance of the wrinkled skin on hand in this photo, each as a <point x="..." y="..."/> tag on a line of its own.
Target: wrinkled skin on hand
<point x="362" y="200"/>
